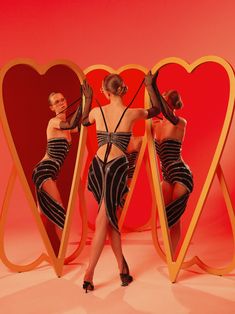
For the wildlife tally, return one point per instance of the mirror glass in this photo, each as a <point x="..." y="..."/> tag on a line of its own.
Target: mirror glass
<point x="25" y="98"/>
<point x="185" y="151"/>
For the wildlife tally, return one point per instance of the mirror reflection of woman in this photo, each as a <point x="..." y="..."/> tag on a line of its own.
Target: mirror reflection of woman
<point x="177" y="181"/>
<point x="45" y="173"/>
<point x="108" y="173"/>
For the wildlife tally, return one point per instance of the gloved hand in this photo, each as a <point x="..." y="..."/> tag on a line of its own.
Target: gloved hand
<point x="150" y="81"/>
<point x="88" y="93"/>
<point x="87" y="90"/>
<point x="165" y="109"/>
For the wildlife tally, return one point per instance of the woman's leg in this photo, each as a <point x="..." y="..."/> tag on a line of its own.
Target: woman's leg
<point x="101" y="228"/>
<point x="167" y="190"/>
<point x="51" y="188"/>
<point x="175" y="231"/>
<point x="115" y="240"/>
<point x="54" y="233"/>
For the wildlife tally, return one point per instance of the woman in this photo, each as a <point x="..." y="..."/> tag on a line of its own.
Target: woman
<point x="177" y="181"/>
<point x="108" y="173"/>
<point x="44" y="176"/>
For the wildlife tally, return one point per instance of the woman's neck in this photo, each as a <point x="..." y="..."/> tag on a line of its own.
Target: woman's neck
<point x="62" y="116"/>
<point x="116" y="101"/>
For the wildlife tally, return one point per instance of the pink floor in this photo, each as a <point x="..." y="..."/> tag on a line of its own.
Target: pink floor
<point x="40" y="291"/>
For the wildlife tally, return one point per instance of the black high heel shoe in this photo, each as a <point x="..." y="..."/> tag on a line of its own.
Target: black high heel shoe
<point x="125" y="276"/>
<point x="87" y="285"/>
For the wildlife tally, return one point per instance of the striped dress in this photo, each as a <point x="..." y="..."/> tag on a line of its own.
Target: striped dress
<point x="57" y="150"/>
<point x="107" y="180"/>
<point x="174" y="169"/>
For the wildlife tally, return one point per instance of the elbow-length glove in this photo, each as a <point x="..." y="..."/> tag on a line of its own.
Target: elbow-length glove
<point x="88" y="93"/>
<point x="165" y="109"/>
<point x="156" y="108"/>
<point x="74" y="122"/>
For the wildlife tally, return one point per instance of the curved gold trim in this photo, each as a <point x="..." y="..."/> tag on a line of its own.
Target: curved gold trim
<point x="83" y="213"/>
<point x="9" y="264"/>
<point x="133" y="183"/>
<point x="112" y="70"/>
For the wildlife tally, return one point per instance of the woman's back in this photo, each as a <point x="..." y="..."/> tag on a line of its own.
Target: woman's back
<point x="166" y="130"/>
<point x="114" y="121"/>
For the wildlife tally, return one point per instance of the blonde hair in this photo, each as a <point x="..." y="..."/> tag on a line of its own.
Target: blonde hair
<point x="174" y="96"/>
<point x="49" y="97"/>
<point x="114" y="84"/>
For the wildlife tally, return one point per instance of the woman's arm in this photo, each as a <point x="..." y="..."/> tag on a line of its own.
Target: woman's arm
<point x="87" y="118"/>
<point x="78" y="117"/>
<point x="166" y="111"/>
<point x="156" y="106"/>
<point x="142" y="113"/>
<point x="74" y="122"/>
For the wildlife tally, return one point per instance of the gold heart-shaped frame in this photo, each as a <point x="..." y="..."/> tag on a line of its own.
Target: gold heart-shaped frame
<point x="17" y="170"/>
<point x="215" y="168"/>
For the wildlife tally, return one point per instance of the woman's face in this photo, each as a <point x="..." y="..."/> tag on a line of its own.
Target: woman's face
<point x="58" y="103"/>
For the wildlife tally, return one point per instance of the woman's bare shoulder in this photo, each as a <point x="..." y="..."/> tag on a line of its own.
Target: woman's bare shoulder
<point x="132" y="110"/>
<point x="94" y="110"/>
<point x="182" y="121"/>
<point x="53" y="120"/>
<point x="136" y="113"/>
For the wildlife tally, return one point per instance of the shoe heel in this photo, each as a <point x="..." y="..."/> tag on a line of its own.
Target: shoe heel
<point x="87" y="285"/>
<point x="125" y="276"/>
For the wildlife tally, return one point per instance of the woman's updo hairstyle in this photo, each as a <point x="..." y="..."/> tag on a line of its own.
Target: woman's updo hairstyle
<point x="114" y="84"/>
<point x="175" y="98"/>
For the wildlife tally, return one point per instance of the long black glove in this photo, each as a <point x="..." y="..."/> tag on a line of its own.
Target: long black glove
<point x="88" y="93"/>
<point x="74" y="122"/>
<point x="165" y="109"/>
<point x="156" y="108"/>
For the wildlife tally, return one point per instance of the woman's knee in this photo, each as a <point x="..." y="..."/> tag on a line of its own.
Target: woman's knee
<point x="51" y="188"/>
<point x="102" y="218"/>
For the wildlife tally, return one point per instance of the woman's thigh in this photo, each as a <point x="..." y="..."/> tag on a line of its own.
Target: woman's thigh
<point x="167" y="190"/>
<point x="51" y="188"/>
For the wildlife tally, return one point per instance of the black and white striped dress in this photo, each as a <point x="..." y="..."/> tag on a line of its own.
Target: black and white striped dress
<point x="107" y="180"/>
<point x="174" y="169"/>
<point x="57" y="150"/>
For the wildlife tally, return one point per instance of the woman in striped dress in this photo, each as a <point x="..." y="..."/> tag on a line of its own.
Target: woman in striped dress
<point x="46" y="171"/>
<point x="177" y="181"/>
<point x="108" y="173"/>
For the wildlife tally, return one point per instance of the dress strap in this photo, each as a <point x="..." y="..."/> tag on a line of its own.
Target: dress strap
<point x="109" y="144"/>
<point x="120" y="120"/>
<point x="129" y="105"/>
<point x="105" y="123"/>
<point x="136" y="93"/>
